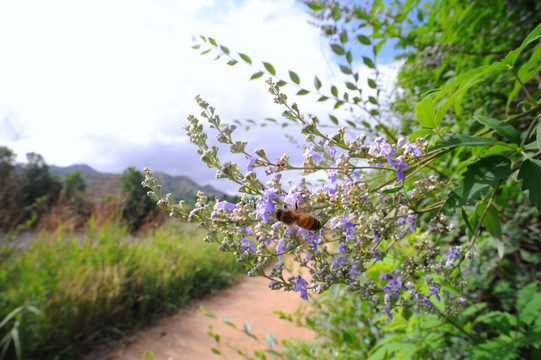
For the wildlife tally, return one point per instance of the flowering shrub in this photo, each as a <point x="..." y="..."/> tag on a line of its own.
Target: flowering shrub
<point x="387" y="204"/>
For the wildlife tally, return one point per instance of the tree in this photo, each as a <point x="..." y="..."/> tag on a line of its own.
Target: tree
<point x="136" y="206"/>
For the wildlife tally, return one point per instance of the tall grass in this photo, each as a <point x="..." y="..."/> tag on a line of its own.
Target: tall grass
<point x="100" y="285"/>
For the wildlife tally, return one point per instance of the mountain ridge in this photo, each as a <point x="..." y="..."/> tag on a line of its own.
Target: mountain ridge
<point x="101" y="184"/>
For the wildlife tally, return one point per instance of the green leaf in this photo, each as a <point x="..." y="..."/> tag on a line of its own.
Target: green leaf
<point x="467" y="222"/>
<point x="256" y="75"/>
<point x="281" y="83"/>
<point x="506" y="130"/>
<point x="302" y="92"/>
<point x="323" y="98"/>
<point x="368" y="62"/>
<point x="232" y="62"/>
<point x="491" y="222"/>
<point x="420" y="132"/>
<point x="349" y="57"/>
<point x="338" y="49"/>
<point x="334" y="91"/>
<point x="245" y="58"/>
<point x="378" y="46"/>
<point x="317" y="83"/>
<point x="212" y="41"/>
<point x="426" y="113"/>
<point x="196" y="47"/>
<point x="512" y="56"/>
<point x="372" y="100"/>
<point x="248" y="330"/>
<point x="393" y="190"/>
<point x="269" y="68"/>
<point x="530" y="174"/>
<point x="216" y="351"/>
<point x="294" y="77"/>
<point x="351" y="86"/>
<point x="464" y="141"/>
<point x="539" y="135"/>
<point x="372" y="83"/>
<point x="224" y="49"/>
<point x="364" y="40"/>
<point x="528" y="303"/>
<point x="345" y="69"/>
<point x="333" y="119"/>
<point x="351" y="123"/>
<point x="478" y="179"/>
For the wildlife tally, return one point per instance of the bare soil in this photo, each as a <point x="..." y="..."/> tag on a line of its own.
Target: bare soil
<point x="184" y="335"/>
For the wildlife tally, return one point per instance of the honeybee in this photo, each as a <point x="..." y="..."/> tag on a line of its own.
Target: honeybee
<point x="305" y="221"/>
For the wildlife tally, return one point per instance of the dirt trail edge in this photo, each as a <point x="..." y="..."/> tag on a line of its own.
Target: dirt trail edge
<point x="184" y="335"/>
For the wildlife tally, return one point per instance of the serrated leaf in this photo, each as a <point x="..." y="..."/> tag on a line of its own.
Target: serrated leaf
<point x="334" y="91"/>
<point x="302" y="92"/>
<point x="351" y="86"/>
<point x="224" y="49"/>
<point x="256" y="75"/>
<point x="212" y="41"/>
<point x="426" y="113"/>
<point x="333" y="119"/>
<point x="317" y="83"/>
<point x="530" y="174"/>
<point x="269" y="67"/>
<point x="368" y="62"/>
<point x="337" y="49"/>
<point x="506" y="130"/>
<point x="246" y="58"/>
<point x="477" y="180"/>
<point x="372" y="83"/>
<point x="364" y="40"/>
<point x="345" y="69"/>
<point x="294" y="77"/>
<point x="464" y="141"/>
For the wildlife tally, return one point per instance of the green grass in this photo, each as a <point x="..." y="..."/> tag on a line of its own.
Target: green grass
<point x="101" y="286"/>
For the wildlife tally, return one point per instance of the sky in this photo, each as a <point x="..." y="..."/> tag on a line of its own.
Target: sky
<point x="110" y="83"/>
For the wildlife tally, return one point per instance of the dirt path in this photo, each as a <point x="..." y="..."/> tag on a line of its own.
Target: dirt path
<point x="184" y="335"/>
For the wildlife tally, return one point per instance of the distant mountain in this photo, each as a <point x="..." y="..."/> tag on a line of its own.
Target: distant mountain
<point x="103" y="184"/>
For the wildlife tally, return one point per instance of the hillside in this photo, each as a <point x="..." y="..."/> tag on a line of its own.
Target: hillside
<point x="103" y="184"/>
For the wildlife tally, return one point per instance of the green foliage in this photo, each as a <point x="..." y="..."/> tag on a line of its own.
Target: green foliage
<point x="136" y="206"/>
<point x="91" y="288"/>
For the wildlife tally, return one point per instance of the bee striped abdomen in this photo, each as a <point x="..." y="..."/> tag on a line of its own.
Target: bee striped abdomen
<point x="308" y="222"/>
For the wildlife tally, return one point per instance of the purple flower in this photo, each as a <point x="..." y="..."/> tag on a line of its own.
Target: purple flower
<point x="313" y="239"/>
<point x="376" y="255"/>
<point x="221" y="205"/>
<point x="266" y="205"/>
<point x="250" y="166"/>
<point x="311" y="153"/>
<point x="450" y="255"/>
<point x="410" y="219"/>
<point x="232" y="128"/>
<point x="435" y="291"/>
<point x="247" y="243"/>
<point x="388" y="311"/>
<point x="409" y="285"/>
<point x="412" y="148"/>
<point x="394" y="284"/>
<point x="399" y="165"/>
<point x="335" y="262"/>
<point x="330" y="190"/>
<point x="294" y="196"/>
<point x="246" y="230"/>
<point x="280" y="248"/>
<point x="332" y="151"/>
<point x="332" y="176"/>
<point x="300" y="285"/>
